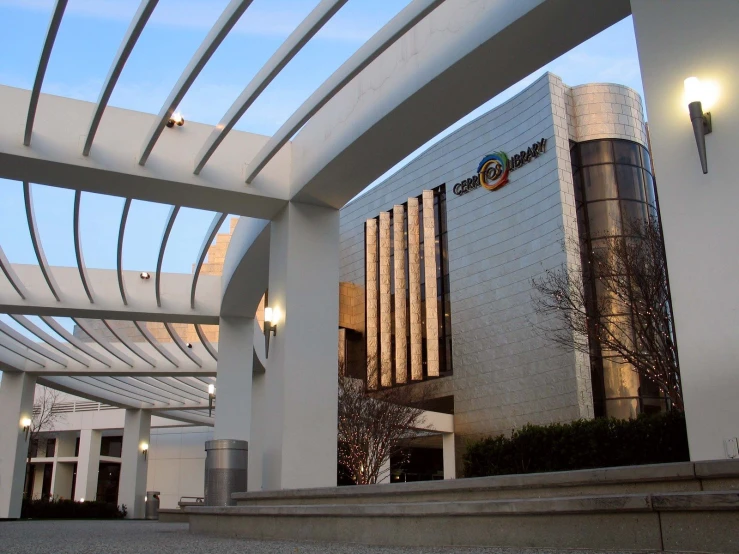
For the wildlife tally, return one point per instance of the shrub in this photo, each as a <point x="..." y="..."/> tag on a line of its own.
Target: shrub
<point x="69" y="509"/>
<point x="582" y="444"/>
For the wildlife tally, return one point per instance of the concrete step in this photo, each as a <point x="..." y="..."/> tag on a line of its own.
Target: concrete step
<point x="659" y="478"/>
<point x="699" y="521"/>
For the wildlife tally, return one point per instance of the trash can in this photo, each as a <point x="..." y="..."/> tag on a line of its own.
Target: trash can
<point x="226" y="463"/>
<point x="152" y="505"/>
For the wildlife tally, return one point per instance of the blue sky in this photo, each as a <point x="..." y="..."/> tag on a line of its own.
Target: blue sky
<point x="88" y="39"/>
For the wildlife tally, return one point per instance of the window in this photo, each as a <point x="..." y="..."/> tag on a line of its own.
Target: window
<point x="111" y="446"/>
<point x="614" y="187"/>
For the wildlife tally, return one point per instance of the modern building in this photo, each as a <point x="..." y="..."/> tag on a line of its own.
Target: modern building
<point x="485" y="211"/>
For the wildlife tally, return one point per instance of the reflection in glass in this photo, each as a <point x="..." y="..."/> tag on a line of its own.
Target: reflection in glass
<point x="600" y="182"/>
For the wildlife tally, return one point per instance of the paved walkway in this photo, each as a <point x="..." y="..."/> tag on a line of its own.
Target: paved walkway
<point x="148" y="537"/>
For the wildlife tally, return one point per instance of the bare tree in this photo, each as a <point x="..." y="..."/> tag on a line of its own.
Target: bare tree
<point x="43" y="420"/>
<point x="375" y="427"/>
<point x="617" y="304"/>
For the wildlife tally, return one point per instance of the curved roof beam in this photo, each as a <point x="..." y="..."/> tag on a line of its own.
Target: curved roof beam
<point x="35" y="347"/>
<point x="316" y="19"/>
<point x="155" y="343"/>
<point x="35" y="239"/>
<point x="7" y="269"/>
<point x="78" y="247"/>
<point x="182" y="393"/>
<point x="119" y="254"/>
<point x="117" y="386"/>
<point x="56" y="21"/>
<point x="130" y="345"/>
<point x="245" y="268"/>
<point x="48" y="339"/>
<point x="367" y="53"/>
<point x="102" y="342"/>
<point x="153" y="388"/>
<point x="20" y="350"/>
<point x="188" y="382"/>
<point x="73" y="385"/>
<point x="205" y="342"/>
<point x="218" y="220"/>
<point x="165" y="237"/>
<point x="74" y="341"/>
<point x="133" y="33"/>
<point x="182" y="346"/>
<point x="212" y="41"/>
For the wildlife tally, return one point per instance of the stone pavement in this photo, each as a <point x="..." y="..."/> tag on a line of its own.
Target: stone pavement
<point x="127" y="537"/>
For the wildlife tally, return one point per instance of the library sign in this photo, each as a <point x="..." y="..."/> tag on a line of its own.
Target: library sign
<point x="493" y="170"/>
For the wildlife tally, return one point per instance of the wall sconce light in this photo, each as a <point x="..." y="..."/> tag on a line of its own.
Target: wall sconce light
<point x="211" y="398"/>
<point x="145" y="275"/>
<point x="145" y="448"/>
<point x="270" y="327"/>
<point x="176" y="119"/>
<point x="26" y="424"/>
<point x="701" y="121"/>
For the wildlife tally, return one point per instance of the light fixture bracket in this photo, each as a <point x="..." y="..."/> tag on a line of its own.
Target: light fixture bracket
<point x="702" y="126"/>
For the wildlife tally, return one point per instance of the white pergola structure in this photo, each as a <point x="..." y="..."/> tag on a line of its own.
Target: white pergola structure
<point x="434" y="62"/>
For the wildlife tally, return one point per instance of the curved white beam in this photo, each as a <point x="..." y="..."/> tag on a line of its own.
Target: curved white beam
<point x="187" y="416"/>
<point x="367" y="53"/>
<point x="74" y="341"/>
<point x="129" y="344"/>
<point x="457" y="58"/>
<point x="102" y="342"/>
<point x="218" y="220"/>
<point x="78" y="247"/>
<point x="166" y="385"/>
<point x="182" y="346"/>
<point x="212" y="41"/>
<point x="56" y="20"/>
<point x="143" y="329"/>
<point x="205" y="342"/>
<point x="129" y="41"/>
<point x="9" y="272"/>
<point x="119" y="251"/>
<point x="174" y="210"/>
<point x="152" y="386"/>
<point x="51" y="341"/>
<point x="245" y="268"/>
<point x="20" y="350"/>
<point x="36" y="240"/>
<point x="316" y="19"/>
<point x="120" y="389"/>
<point x="35" y="347"/>
<point x="141" y="305"/>
<point x="74" y="386"/>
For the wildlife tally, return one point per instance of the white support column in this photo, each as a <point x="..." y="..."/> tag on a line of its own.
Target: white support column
<point x="132" y="485"/>
<point x="88" y="465"/>
<point x="235" y="369"/>
<point x="677" y="40"/>
<point x="16" y="402"/>
<point x="302" y="370"/>
<point x="256" y="440"/>
<point x="449" y="454"/>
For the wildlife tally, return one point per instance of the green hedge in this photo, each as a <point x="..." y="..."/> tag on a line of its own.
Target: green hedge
<point x="581" y="444"/>
<point x="69" y="509"/>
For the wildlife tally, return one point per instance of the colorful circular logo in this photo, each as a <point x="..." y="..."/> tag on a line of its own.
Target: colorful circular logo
<point x="493" y="170"/>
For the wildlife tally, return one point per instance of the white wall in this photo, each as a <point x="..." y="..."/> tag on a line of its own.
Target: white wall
<point x="177" y="463"/>
<point x="676" y="40"/>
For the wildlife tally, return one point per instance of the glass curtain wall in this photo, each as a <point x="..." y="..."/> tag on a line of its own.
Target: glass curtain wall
<point x="614" y="186"/>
